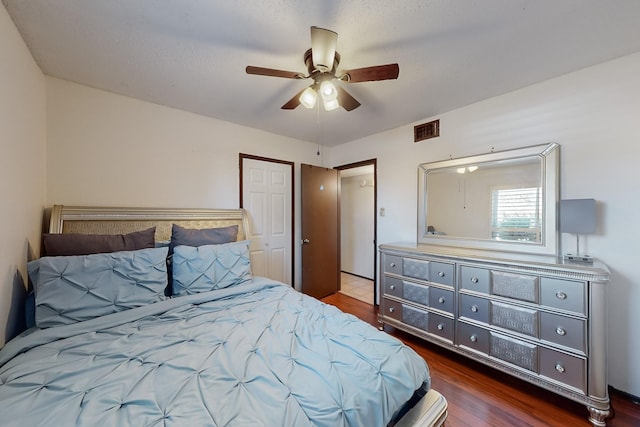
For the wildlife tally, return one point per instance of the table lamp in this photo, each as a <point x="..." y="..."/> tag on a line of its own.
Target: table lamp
<point x="578" y="216"/>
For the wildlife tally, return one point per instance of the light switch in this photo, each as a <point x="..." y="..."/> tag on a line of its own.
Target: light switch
<point x="381" y="211"/>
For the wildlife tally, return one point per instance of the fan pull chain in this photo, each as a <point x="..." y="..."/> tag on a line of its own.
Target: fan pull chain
<point x="318" y="126"/>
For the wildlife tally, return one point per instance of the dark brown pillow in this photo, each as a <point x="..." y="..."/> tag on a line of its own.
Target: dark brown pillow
<point x="87" y="244"/>
<point x="200" y="237"/>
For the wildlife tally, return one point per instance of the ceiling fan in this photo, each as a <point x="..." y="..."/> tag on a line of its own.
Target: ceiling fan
<point x="322" y="62"/>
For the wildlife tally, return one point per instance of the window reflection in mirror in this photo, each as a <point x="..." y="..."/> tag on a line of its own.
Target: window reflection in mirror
<point x="505" y="200"/>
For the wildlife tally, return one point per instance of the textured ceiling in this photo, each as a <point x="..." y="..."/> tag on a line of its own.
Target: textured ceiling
<point x="191" y="54"/>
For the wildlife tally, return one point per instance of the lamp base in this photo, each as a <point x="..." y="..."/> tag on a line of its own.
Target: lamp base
<point x="582" y="259"/>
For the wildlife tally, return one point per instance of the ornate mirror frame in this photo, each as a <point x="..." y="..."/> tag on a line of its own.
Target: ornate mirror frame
<point x="548" y="156"/>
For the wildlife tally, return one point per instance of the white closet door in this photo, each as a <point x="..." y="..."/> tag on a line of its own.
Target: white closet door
<point x="267" y="199"/>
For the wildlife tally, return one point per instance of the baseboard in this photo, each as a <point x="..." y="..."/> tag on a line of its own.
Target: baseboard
<point x="634" y="399"/>
<point x="357" y="275"/>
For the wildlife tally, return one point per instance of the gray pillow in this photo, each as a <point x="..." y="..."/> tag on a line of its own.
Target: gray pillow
<point x="210" y="267"/>
<point x="87" y="244"/>
<point x="199" y="237"/>
<point x="72" y="289"/>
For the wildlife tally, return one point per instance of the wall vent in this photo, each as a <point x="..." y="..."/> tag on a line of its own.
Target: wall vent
<point x="426" y="131"/>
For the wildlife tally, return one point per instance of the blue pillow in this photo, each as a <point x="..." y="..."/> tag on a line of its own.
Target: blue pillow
<point x="72" y="289"/>
<point x="209" y="267"/>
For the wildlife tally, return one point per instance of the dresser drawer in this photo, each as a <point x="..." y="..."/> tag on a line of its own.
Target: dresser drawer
<point x="391" y="308"/>
<point x="517" y="352"/>
<point x="474" y="308"/>
<point x="441" y="299"/>
<point x="564" y="368"/>
<point x="415" y="292"/>
<point x="392" y="264"/>
<point x="392" y="286"/>
<point x="406" y="314"/>
<point x="415" y="317"/>
<point x="514" y="285"/>
<point x="566" y="331"/>
<point x="441" y="326"/>
<point x="416" y="268"/>
<point x="474" y="337"/>
<point x="514" y="318"/>
<point x="563" y="294"/>
<point x="475" y="279"/>
<point x="441" y="272"/>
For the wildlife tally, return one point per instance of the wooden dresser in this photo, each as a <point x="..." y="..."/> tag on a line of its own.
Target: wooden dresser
<point x="530" y="316"/>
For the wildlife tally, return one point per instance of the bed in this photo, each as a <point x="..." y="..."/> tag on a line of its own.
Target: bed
<point x="164" y="324"/>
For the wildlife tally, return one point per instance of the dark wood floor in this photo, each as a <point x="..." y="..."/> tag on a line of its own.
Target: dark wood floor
<point x="481" y="396"/>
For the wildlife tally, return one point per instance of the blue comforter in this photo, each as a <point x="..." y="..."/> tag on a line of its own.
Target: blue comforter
<point x="258" y="353"/>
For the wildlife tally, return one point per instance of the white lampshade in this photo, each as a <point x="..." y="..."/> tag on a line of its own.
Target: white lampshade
<point x="308" y="97"/>
<point x="328" y="90"/>
<point x="330" y="104"/>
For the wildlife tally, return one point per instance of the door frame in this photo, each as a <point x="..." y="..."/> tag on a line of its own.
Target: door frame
<point x="241" y="158"/>
<point x="374" y="163"/>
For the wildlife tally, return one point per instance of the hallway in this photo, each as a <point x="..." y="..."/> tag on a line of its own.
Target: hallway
<point x="356" y="287"/>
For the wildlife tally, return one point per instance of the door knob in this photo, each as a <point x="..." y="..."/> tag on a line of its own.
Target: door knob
<point x="305" y="241"/>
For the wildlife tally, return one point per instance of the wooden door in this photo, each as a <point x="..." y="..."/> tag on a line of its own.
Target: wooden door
<point x="320" y="195"/>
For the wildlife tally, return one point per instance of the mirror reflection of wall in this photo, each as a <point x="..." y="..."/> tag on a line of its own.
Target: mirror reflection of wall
<point x="475" y="204"/>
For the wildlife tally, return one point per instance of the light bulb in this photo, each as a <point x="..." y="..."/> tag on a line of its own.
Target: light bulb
<point x="328" y="90"/>
<point x="308" y="97"/>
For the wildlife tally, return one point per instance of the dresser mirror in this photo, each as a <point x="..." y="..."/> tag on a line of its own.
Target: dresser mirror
<point x="504" y="201"/>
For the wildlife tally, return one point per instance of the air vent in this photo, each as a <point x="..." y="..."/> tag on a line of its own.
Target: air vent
<point x="426" y="131"/>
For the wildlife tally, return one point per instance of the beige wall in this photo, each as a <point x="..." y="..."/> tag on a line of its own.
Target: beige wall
<point x="22" y="162"/>
<point x="593" y="114"/>
<point x="111" y="150"/>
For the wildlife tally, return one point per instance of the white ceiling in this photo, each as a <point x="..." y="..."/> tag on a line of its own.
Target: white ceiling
<point x="191" y="54"/>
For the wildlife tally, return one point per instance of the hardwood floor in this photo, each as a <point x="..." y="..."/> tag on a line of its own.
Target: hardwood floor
<point x="481" y="396"/>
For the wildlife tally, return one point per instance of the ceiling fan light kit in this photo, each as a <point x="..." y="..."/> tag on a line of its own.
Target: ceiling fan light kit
<point x="309" y="97"/>
<point x="322" y="62"/>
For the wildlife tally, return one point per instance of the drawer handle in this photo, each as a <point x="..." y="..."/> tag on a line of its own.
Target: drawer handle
<point x="473" y="338"/>
<point x="440" y="326"/>
<point x="391" y="309"/>
<point x="474" y="308"/>
<point x="560" y="368"/>
<point x="561" y="295"/>
<point x="393" y="265"/>
<point x="474" y="280"/>
<point x="560" y="331"/>
<point x="441" y="300"/>
<point x="392" y="287"/>
<point x="441" y="273"/>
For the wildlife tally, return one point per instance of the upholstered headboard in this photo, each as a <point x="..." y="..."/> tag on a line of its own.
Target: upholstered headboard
<point x="111" y="220"/>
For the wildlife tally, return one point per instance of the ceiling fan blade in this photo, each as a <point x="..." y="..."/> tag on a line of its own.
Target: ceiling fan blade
<point x="293" y="102"/>
<point x="369" y="74"/>
<point x="260" y="71"/>
<point x="346" y="101"/>
<point x="323" y="48"/>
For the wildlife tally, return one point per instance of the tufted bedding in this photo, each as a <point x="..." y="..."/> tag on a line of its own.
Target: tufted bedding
<point x="252" y="354"/>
